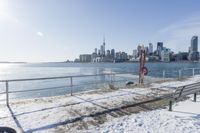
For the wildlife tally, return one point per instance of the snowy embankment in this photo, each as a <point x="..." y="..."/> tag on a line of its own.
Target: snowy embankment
<point x="93" y="112"/>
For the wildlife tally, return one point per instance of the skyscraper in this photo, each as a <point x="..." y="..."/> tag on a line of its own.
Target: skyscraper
<point x="159" y="48"/>
<point x="150" y="48"/>
<point x="113" y="53"/>
<point x="194" y="54"/>
<point x="139" y="50"/>
<point x="104" y="46"/>
<point x="194" y="44"/>
<point x="101" y="50"/>
<point x="95" y="50"/>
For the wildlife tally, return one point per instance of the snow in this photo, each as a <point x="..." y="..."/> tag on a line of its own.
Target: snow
<point x="185" y="118"/>
<point x="74" y="113"/>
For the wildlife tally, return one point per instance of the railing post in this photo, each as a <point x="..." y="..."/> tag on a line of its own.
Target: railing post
<point x="114" y="77"/>
<point x="170" y="105"/>
<point x="7" y="94"/>
<point x="71" y="85"/>
<point x="179" y="74"/>
<point x="195" y="97"/>
<point x="163" y="75"/>
<point x="193" y="72"/>
<point x="110" y="78"/>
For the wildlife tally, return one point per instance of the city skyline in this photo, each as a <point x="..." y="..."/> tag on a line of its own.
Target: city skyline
<point x="60" y="30"/>
<point x="158" y="53"/>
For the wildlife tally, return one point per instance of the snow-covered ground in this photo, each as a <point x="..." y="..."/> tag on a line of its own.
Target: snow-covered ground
<point x="91" y="112"/>
<point x="185" y="118"/>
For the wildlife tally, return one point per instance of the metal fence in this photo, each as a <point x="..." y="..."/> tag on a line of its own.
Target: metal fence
<point x="109" y="79"/>
<point x="72" y="81"/>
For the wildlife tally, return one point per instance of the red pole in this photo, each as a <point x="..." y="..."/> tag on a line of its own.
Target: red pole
<point x="142" y="63"/>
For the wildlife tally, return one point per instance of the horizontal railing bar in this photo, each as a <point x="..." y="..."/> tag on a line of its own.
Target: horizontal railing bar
<point x="46" y="78"/>
<point x="61" y="77"/>
<point x="63" y="87"/>
<point x="75" y="76"/>
<point x="60" y="87"/>
<point x="2" y="93"/>
<point x="52" y="88"/>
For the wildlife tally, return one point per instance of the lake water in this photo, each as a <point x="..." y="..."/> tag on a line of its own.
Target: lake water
<point x="39" y="70"/>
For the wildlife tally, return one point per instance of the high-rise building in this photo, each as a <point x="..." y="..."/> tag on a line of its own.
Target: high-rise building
<point x="113" y="53"/>
<point x="194" y="44"/>
<point x="159" y="48"/>
<point x="147" y="50"/>
<point x="101" y="50"/>
<point x="194" y="54"/>
<point x="95" y="50"/>
<point x="104" y="46"/>
<point x="150" y="48"/>
<point x="139" y="50"/>
<point x="159" y="45"/>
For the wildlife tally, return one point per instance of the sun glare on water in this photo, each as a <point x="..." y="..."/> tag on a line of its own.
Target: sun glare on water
<point x="4" y="67"/>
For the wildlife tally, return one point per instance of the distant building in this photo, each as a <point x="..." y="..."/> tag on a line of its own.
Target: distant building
<point x="194" y="44"/>
<point x="193" y="52"/>
<point x="193" y="56"/>
<point x="153" y="58"/>
<point x="124" y="56"/>
<point x="165" y="56"/>
<point x="147" y="50"/>
<point x="101" y="50"/>
<point x="85" y="58"/>
<point x="95" y="51"/>
<point x="189" y="49"/>
<point x="134" y="53"/>
<point x="104" y="47"/>
<point x="159" y="45"/>
<point x="139" y="50"/>
<point x="150" y="48"/>
<point x="121" y="57"/>
<point x="181" y="56"/>
<point x="108" y="53"/>
<point x="77" y="60"/>
<point x="113" y="53"/>
<point x="159" y="48"/>
<point x="93" y="57"/>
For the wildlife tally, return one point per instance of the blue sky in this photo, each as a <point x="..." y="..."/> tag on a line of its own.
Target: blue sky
<point x="56" y="30"/>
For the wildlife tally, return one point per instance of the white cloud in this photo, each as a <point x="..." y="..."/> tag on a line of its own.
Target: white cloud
<point x="40" y="34"/>
<point x="178" y="35"/>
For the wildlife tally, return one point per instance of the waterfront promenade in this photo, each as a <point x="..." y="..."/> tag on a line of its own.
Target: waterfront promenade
<point x="84" y="111"/>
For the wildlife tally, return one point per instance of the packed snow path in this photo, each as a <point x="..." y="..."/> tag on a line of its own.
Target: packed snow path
<point x="87" y="112"/>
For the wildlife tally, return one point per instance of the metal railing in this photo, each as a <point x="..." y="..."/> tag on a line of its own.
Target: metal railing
<point x="7" y="82"/>
<point x="71" y="79"/>
<point x="181" y="73"/>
